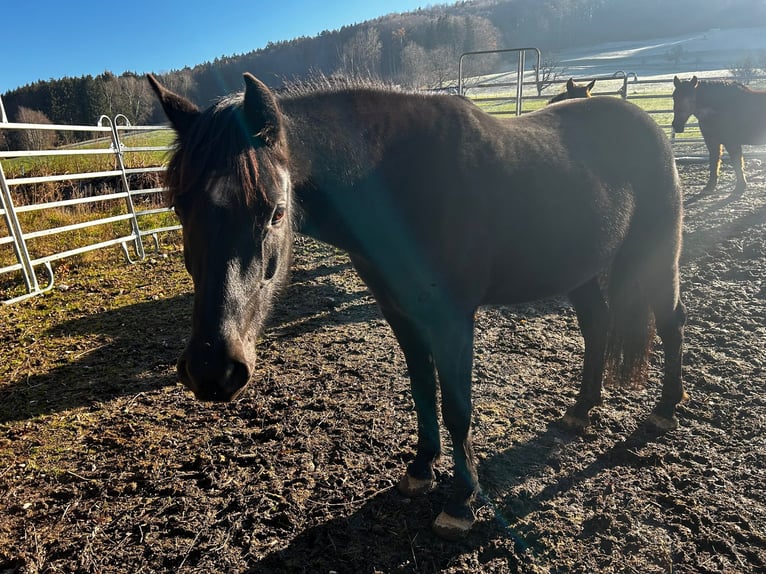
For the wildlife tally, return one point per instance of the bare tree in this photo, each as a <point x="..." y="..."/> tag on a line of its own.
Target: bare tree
<point x="360" y="56"/>
<point x="110" y="90"/>
<point x="34" y="139"/>
<point x="180" y="81"/>
<point x="675" y="54"/>
<point x="550" y="70"/>
<point x="744" y="70"/>
<point x="430" y="69"/>
<point x="136" y="98"/>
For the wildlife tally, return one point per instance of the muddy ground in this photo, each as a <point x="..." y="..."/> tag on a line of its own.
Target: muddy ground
<point x="108" y="465"/>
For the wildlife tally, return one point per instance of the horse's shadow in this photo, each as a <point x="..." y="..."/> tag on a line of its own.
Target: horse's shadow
<point x="339" y="544"/>
<point x="697" y="243"/>
<point x="133" y="349"/>
<point x="724" y="201"/>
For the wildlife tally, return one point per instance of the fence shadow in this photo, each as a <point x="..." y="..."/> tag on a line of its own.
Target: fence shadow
<point x="133" y="349"/>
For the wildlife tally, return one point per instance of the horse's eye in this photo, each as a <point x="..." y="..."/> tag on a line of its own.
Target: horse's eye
<point x="278" y="215"/>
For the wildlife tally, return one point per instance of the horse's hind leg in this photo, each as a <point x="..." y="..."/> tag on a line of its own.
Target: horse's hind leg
<point x="593" y="318"/>
<point x="670" y="317"/>
<point x="738" y="163"/>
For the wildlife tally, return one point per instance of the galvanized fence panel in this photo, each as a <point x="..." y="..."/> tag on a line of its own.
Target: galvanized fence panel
<point x="127" y="229"/>
<point x="502" y="95"/>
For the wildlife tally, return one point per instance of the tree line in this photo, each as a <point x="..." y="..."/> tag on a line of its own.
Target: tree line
<point x="418" y="49"/>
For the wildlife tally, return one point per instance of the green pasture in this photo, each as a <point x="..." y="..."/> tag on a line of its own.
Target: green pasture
<point x="659" y="104"/>
<point x="62" y="164"/>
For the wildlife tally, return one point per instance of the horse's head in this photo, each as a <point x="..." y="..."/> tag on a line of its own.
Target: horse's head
<point x="229" y="183"/>
<point x="684" y="101"/>
<point x="574" y="91"/>
<point x="579" y="90"/>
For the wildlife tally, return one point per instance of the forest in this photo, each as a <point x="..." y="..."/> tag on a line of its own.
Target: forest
<point x="418" y="49"/>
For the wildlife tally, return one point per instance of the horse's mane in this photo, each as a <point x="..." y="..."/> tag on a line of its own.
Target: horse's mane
<point x="322" y="84"/>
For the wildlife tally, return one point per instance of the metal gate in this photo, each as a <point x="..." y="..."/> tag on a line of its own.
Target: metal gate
<point x="132" y="222"/>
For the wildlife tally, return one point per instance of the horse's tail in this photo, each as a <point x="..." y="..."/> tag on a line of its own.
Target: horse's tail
<point x="631" y="322"/>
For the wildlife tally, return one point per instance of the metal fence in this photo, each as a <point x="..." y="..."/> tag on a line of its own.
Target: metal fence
<point x="114" y="200"/>
<point x="653" y="94"/>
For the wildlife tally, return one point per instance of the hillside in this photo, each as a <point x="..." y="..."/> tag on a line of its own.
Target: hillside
<point x="421" y="49"/>
<point x="711" y="52"/>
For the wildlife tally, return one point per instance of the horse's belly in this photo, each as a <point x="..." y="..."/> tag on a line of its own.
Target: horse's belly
<point x="541" y="269"/>
<point x="505" y="290"/>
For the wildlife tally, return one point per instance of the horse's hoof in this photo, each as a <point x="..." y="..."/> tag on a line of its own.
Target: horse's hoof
<point x="573" y="423"/>
<point x="452" y="528"/>
<point x="410" y="486"/>
<point x="661" y="423"/>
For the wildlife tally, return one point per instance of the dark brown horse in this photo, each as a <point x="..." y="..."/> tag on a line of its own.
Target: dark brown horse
<point x="573" y="91"/>
<point x="729" y="115"/>
<point x="441" y="208"/>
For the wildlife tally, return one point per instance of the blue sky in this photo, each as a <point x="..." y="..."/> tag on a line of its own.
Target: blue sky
<point x="51" y="39"/>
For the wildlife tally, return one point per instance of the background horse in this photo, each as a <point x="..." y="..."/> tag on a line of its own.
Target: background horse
<point x="729" y="115"/>
<point x="573" y="91"/>
<point x="441" y="208"/>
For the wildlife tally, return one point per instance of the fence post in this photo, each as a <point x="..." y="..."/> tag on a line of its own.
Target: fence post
<point x="14" y="228"/>
<point x="117" y="144"/>
<point x="519" y="70"/>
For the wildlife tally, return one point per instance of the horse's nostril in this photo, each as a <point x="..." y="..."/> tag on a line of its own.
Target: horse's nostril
<point x="240" y="374"/>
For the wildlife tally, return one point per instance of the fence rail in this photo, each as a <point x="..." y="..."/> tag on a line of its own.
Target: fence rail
<point x="134" y="203"/>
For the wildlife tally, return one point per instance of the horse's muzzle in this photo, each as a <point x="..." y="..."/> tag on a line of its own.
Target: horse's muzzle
<point x="679" y="129"/>
<point x="220" y="380"/>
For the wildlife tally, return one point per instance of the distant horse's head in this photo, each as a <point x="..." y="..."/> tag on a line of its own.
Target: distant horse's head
<point x="574" y="91"/>
<point x="229" y="183"/>
<point x="684" y="101"/>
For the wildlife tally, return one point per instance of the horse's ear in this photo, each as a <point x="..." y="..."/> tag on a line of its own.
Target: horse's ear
<point x="262" y="111"/>
<point x="695" y="81"/>
<point x="591" y="84"/>
<point x="570" y="84"/>
<point x="180" y="111"/>
<point x="676" y="81"/>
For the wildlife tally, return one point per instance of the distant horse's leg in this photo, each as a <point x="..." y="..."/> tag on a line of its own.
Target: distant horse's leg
<point x="419" y="477"/>
<point x="593" y="317"/>
<point x="714" y="148"/>
<point x="453" y="353"/>
<point x="670" y="317"/>
<point x="738" y="163"/>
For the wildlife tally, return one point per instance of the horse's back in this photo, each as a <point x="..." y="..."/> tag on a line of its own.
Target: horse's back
<point x="584" y="175"/>
<point x="730" y="113"/>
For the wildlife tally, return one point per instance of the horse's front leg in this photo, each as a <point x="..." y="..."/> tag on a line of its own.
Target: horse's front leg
<point x="738" y="163"/>
<point x="414" y="342"/>
<point x="419" y="477"/>
<point x="714" y="149"/>
<point x="453" y="353"/>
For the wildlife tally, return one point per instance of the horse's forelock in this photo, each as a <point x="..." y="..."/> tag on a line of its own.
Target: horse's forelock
<point x="219" y="144"/>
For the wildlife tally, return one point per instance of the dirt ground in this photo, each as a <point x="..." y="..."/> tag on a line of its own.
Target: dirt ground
<point x="108" y="465"/>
